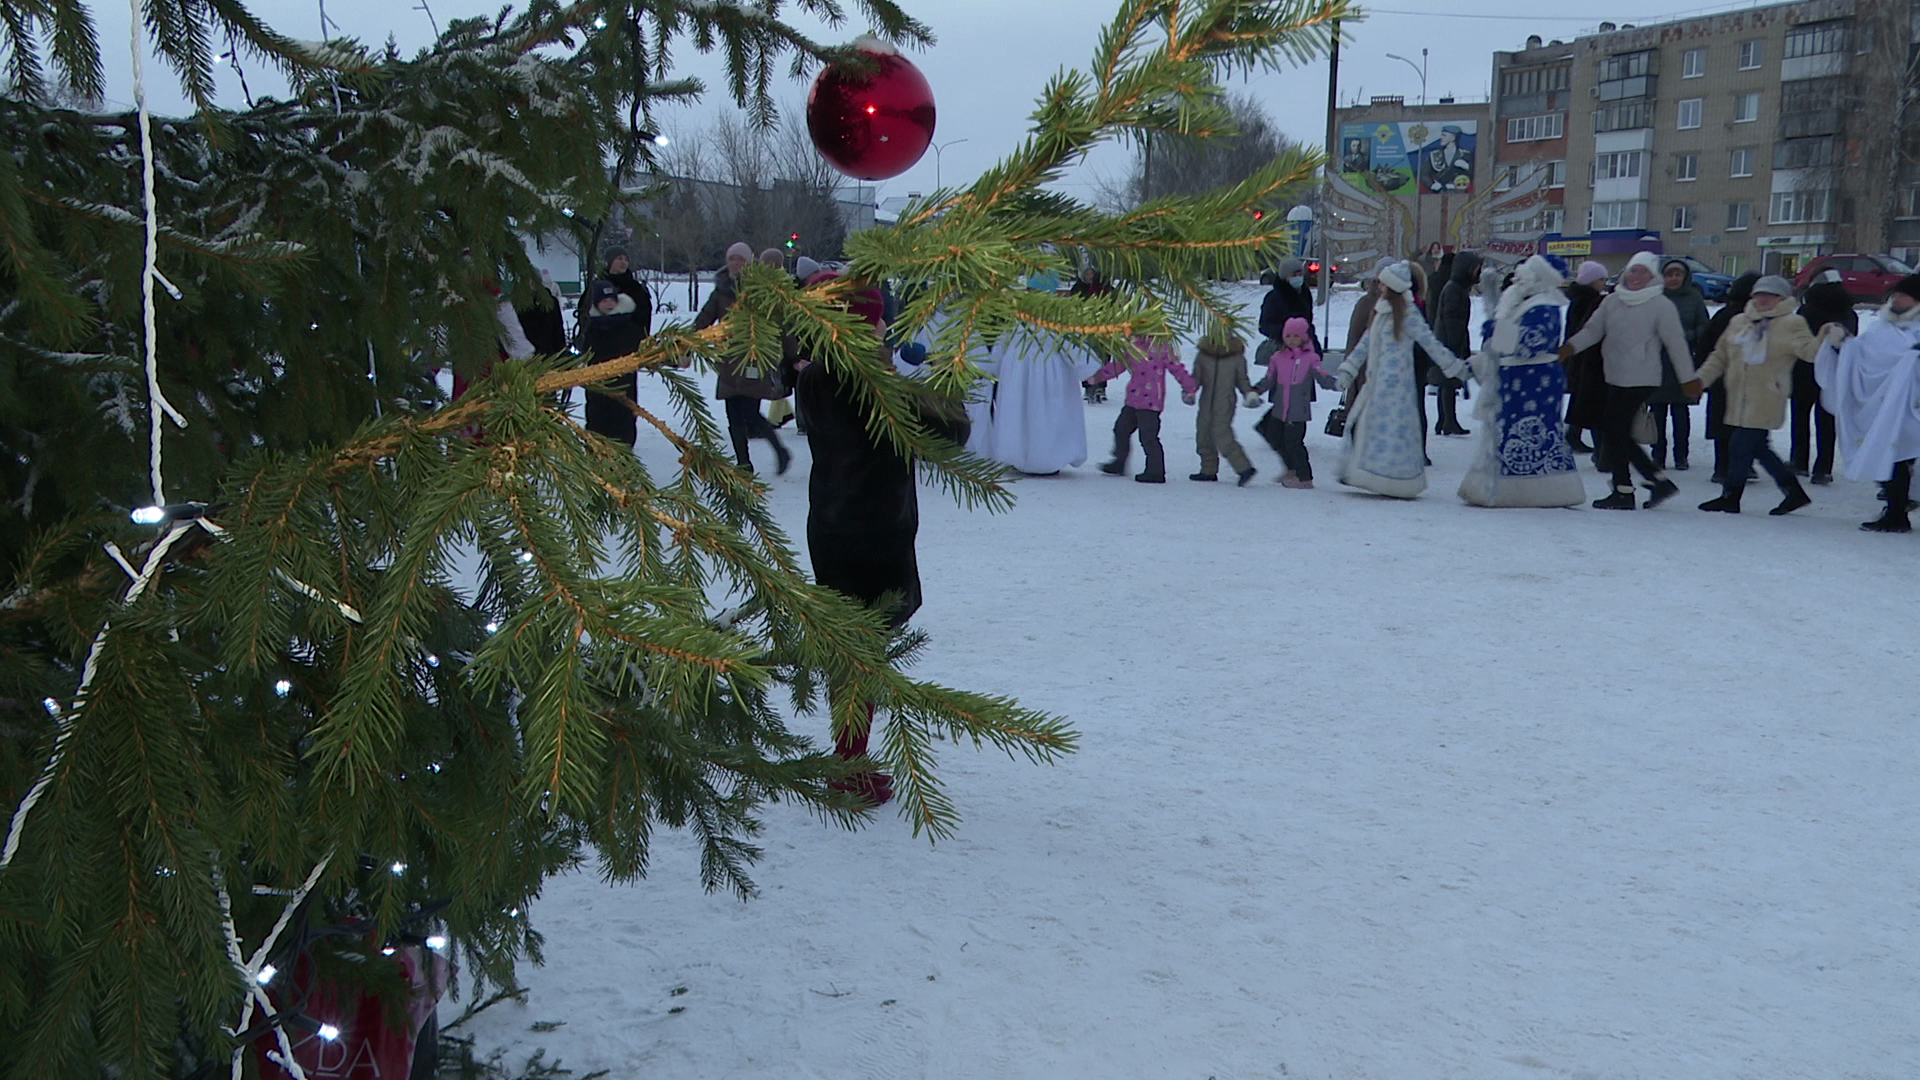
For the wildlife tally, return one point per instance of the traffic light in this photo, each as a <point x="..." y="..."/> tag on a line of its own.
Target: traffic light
<point x="1313" y="267"/>
<point x="793" y="241"/>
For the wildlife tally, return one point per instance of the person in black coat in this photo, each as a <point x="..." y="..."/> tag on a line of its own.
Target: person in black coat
<point x="609" y="333"/>
<point x="1453" y="325"/>
<point x="1290" y="298"/>
<point x="1586" y="379"/>
<point x="541" y="321"/>
<point x="1738" y="294"/>
<point x="863" y="515"/>
<point x="1826" y="301"/>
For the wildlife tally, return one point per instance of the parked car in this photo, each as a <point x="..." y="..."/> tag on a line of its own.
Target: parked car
<point x="1869" y="278"/>
<point x="1713" y="284"/>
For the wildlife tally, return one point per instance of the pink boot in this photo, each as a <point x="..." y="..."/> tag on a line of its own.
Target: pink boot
<point x="875" y="785"/>
<point x="1292" y="481"/>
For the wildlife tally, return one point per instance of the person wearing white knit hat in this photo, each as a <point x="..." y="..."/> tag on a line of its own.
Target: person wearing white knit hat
<point x="1631" y="327"/>
<point x="1383" y="452"/>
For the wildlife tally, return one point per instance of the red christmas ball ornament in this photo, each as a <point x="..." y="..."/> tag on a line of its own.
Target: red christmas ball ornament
<point x="871" y="122"/>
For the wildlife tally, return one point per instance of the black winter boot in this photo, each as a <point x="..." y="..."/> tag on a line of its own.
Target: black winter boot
<point x="1621" y="499"/>
<point x="1661" y="490"/>
<point x="1796" y="497"/>
<point x="1727" y="503"/>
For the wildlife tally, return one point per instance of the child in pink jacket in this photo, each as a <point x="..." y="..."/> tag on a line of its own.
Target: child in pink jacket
<point x="1291" y="375"/>
<point x="1151" y="363"/>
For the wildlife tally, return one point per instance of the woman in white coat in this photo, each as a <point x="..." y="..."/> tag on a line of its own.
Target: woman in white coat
<point x="1383" y="453"/>
<point x="1524" y="460"/>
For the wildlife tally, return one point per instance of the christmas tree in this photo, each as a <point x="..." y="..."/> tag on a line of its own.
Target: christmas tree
<point x="251" y="717"/>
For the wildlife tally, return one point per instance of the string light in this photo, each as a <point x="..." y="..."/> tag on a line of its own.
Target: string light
<point x="398" y="868"/>
<point x="526" y="556"/>
<point x="329" y="1032"/>
<point x="388" y="951"/>
<point x="437" y="942"/>
<point x="432" y="660"/>
<point x="283" y="688"/>
<point x="493" y="627"/>
<point x="52" y="707"/>
<point x="148" y="515"/>
<point x="266" y="975"/>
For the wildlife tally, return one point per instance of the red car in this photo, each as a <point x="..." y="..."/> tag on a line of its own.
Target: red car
<point x="1868" y="277"/>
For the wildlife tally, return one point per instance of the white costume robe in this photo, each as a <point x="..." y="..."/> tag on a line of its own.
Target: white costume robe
<point x="1383" y="452"/>
<point x="1036" y="417"/>
<point x="1871" y="385"/>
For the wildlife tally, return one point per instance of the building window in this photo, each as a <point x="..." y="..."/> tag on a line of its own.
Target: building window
<point x="1626" y="66"/>
<point x="1746" y="108"/>
<point x="1909" y="204"/>
<point x="1733" y="265"/>
<point x="1742" y="161"/>
<point x="1693" y="63"/>
<point x="1739" y="215"/>
<point x="1555" y="219"/>
<point x="1536" y="128"/>
<point x="1752" y="54"/>
<point x="1556" y="174"/>
<point x="1626" y="116"/>
<point x="1619" y="166"/>
<point x="1589" y="219"/>
<point x="1690" y="114"/>
<point x="1619" y="215"/>
<point x="1508" y="176"/>
<point x="1683" y="219"/>
<point x="1803" y="153"/>
<point x="1686" y="167"/>
<point x="1797" y="207"/>
<point x="1535" y="81"/>
<point x="1817" y="39"/>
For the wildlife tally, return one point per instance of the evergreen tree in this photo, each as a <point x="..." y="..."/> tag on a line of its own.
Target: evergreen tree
<point x="271" y="701"/>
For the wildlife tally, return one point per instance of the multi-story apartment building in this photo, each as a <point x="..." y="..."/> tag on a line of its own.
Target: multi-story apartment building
<point x="1750" y="140"/>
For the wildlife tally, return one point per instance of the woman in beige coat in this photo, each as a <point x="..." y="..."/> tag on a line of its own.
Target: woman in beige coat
<point x="1756" y="357"/>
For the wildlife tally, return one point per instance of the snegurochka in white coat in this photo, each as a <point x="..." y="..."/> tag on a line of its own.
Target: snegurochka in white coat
<point x="1871" y="385"/>
<point x="1035" y="411"/>
<point x="1382" y="442"/>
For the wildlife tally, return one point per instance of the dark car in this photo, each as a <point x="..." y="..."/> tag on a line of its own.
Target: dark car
<point x="1868" y="278"/>
<point x="1713" y="284"/>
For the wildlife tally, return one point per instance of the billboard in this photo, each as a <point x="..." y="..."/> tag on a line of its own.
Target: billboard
<point x="1410" y="156"/>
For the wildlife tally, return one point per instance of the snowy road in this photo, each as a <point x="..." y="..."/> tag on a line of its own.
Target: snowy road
<point x="1369" y="789"/>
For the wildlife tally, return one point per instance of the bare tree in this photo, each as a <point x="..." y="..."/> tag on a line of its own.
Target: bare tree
<point x="1171" y="165"/>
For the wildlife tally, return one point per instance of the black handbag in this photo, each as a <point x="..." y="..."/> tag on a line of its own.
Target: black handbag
<point x="1337" y="421"/>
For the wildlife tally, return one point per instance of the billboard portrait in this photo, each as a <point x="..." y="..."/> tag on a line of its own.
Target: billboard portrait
<point x="1401" y="158"/>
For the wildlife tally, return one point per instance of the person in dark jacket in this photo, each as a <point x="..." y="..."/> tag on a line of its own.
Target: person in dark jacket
<point x="1826" y="302"/>
<point x="1738" y="294"/>
<point x="742" y="385"/>
<point x="1091" y="283"/>
<point x="1586" y="380"/>
<point x="863" y="514"/>
<point x="1453" y="325"/>
<point x="1290" y="298"/>
<point x="609" y="333"/>
<point x="541" y="321"/>
<point x="1669" y="403"/>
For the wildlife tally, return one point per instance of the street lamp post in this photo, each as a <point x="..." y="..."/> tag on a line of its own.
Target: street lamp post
<point x="1419" y="188"/>
<point x="937" y="148"/>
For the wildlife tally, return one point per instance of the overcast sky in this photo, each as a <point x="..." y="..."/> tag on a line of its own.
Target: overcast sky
<point x="992" y="57"/>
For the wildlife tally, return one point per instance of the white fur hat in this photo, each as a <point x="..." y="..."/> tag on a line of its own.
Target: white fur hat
<point x="1397" y="277"/>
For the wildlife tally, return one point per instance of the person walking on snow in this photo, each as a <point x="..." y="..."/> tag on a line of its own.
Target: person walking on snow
<point x="1669" y="404"/>
<point x="1289" y="384"/>
<point x="1756" y="357"/>
<point x="1288" y="299"/>
<point x="1523" y="459"/>
<point x="1631" y="326"/>
<point x="1220" y="367"/>
<point x="1738" y="294"/>
<point x="1146" y="397"/>
<point x="1383" y="452"/>
<point x="1826" y="303"/>
<point x="742" y="384"/>
<point x="1453" y="325"/>
<point x="1871" y="385"/>
<point x="1586" y="382"/>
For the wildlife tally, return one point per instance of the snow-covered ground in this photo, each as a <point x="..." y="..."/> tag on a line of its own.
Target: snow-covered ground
<point x="1369" y="789"/>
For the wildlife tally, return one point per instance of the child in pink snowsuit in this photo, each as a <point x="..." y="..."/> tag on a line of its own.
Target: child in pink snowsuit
<point x="1289" y="382"/>
<point x="1151" y="363"/>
